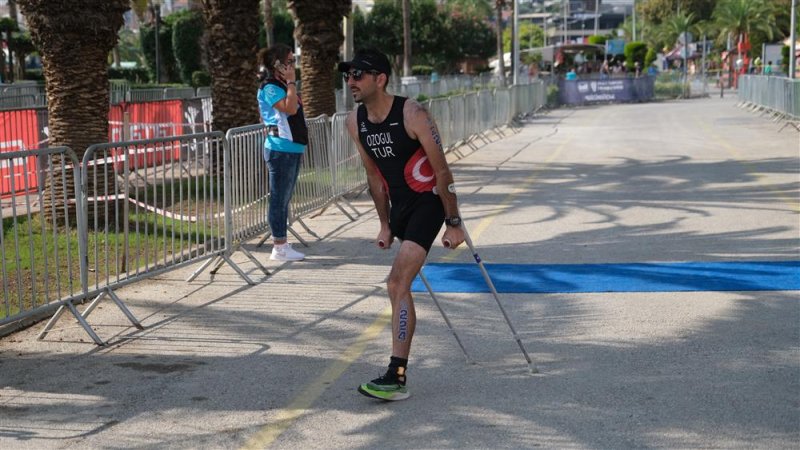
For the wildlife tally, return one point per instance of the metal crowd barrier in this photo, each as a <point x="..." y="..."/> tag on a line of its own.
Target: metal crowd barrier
<point x="153" y="94"/>
<point x="458" y="120"/>
<point x="502" y="104"/>
<point x="440" y="110"/>
<point x="30" y="95"/>
<point x="347" y="173"/>
<point x="152" y="206"/>
<point x="777" y="96"/>
<point x="136" y="209"/>
<point x="248" y="192"/>
<point x="314" y="190"/>
<point x="40" y="233"/>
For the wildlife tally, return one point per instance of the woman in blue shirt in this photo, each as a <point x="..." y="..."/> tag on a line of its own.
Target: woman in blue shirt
<point x="287" y="137"/>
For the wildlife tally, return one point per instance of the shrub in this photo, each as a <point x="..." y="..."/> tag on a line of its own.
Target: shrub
<point x="552" y="95"/>
<point x="785" y="59"/>
<point x="597" y="40"/>
<point x="649" y="57"/>
<point x="34" y="74"/>
<point x="169" y="68"/>
<point x="134" y="75"/>
<point x="668" y="89"/>
<point x="201" y="78"/>
<point x="421" y="70"/>
<point x="187" y="32"/>
<point x="635" y="51"/>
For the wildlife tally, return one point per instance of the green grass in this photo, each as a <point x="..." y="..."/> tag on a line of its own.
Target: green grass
<point x="41" y="262"/>
<point x="33" y="253"/>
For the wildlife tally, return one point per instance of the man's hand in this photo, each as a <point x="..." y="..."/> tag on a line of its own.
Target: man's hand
<point x="453" y="237"/>
<point x="385" y="238"/>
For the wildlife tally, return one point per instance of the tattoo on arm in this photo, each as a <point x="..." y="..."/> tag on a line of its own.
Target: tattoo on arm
<point x="435" y="133"/>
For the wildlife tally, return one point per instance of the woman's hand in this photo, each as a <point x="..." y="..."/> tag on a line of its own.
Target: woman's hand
<point x="287" y="73"/>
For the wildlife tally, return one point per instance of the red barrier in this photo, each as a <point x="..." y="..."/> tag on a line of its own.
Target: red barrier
<point x="19" y="131"/>
<point x="152" y="120"/>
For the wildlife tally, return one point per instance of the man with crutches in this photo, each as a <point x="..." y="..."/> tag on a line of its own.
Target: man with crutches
<point x="402" y="153"/>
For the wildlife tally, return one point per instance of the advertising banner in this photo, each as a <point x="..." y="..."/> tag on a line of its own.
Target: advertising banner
<point x="612" y="90"/>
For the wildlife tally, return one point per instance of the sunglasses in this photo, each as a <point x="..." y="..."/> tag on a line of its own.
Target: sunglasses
<point x="358" y="74"/>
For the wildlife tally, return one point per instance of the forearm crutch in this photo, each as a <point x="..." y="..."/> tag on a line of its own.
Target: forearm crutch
<point x="444" y="316"/>
<point x="489" y="283"/>
<point x="382" y="244"/>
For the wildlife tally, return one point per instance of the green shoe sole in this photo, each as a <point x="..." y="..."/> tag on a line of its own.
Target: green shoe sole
<point x="389" y="396"/>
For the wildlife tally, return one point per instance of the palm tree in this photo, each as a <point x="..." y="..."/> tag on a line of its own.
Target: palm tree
<point x="74" y="47"/>
<point x="139" y="7"/>
<point x="740" y="18"/>
<point x="319" y="34"/>
<point x="743" y="17"/>
<point x="232" y="27"/>
<point x="269" y="23"/>
<point x="501" y="65"/>
<point x="674" y="26"/>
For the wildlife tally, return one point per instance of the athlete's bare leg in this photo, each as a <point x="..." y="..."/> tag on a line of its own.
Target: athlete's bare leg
<point x="408" y="262"/>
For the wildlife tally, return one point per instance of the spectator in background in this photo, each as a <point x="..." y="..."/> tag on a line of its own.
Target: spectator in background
<point x="768" y="68"/>
<point x="572" y="75"/>
<point x="287" y="137"/>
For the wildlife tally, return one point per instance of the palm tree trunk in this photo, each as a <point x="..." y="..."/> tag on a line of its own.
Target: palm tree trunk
<point x="74" y="49"/>
<point x="232" y="45"/>
<point x="269" y="23"/>
<point x="319" y="34"/>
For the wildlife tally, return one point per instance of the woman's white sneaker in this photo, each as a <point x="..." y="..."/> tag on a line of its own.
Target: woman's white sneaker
<point x="285" y="252"/>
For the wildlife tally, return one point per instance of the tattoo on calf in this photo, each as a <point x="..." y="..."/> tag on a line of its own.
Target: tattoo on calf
<point x="402" y="329"/>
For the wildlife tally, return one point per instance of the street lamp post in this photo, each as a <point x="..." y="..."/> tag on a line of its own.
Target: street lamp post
<point x="793" y="41"/>
<point x="347" y="55"/>
<point x="515" y="40"/>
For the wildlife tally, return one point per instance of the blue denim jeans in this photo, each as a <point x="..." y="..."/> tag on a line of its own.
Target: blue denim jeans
<point x="283" y="170"/>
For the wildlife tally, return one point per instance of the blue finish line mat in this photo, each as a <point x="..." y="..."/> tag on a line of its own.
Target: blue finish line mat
<point x="635" y="277"/>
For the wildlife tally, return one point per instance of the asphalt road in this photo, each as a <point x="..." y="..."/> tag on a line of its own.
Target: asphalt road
<point x="221" y="364"/>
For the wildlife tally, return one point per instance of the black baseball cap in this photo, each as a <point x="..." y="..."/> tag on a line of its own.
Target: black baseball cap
<point x="367" y="59"/>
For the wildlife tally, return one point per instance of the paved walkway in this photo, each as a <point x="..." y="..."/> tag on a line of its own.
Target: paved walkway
<point x="225" y="365"/>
